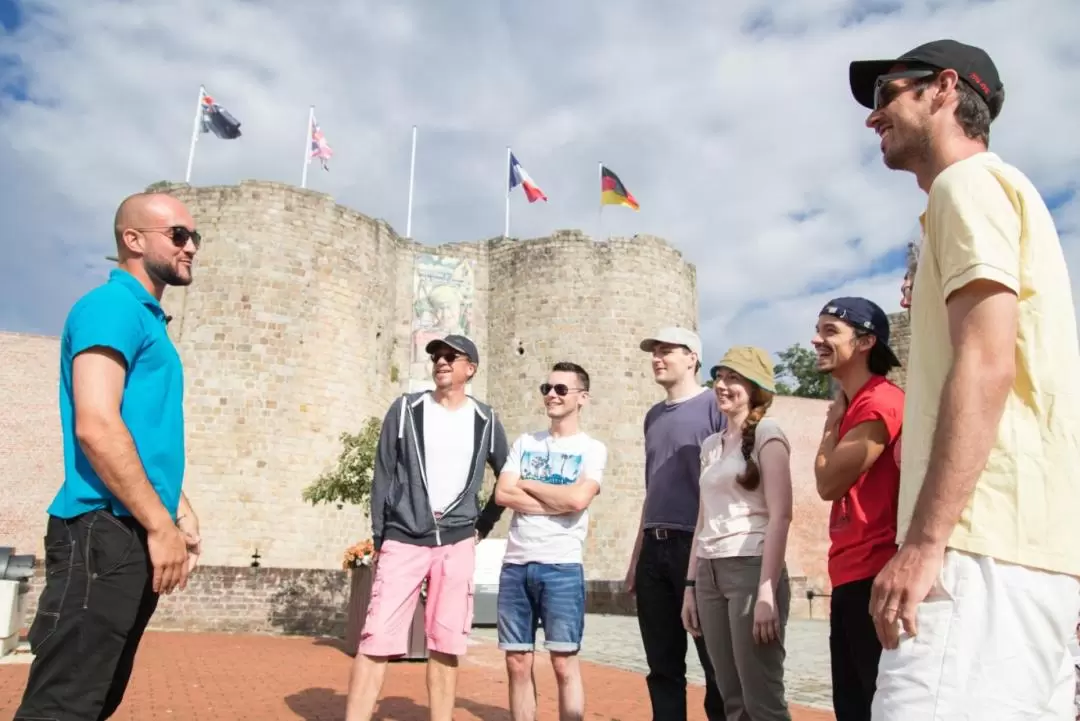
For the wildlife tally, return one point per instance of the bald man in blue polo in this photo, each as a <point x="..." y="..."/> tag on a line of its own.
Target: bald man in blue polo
<point x="120" y="530"/>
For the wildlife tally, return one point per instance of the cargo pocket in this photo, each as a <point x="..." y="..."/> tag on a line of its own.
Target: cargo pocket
<point x="470" y="594"/>
<point x="373" y="599"/>
<point x="59" y="566"/>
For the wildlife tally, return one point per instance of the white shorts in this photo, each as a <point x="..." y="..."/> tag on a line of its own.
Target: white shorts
<point x="993" y="644"/>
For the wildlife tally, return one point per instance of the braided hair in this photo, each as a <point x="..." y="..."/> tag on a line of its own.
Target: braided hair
<point x="760" y="400"/>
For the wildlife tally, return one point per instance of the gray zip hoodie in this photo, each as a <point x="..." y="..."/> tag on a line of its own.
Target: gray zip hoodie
<point x="400" y="505"/>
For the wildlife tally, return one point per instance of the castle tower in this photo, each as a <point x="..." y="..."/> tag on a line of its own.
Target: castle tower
<point x="569" y="298"/>
<point x="285" y="336"/>
<point x="305" y="318"/>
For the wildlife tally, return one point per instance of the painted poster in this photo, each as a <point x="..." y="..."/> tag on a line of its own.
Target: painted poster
<point x="443" y="289"/>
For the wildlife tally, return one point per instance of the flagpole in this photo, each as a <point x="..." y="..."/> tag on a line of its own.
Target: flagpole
<point x="506" y="179"/>
<point x="194" y="135"/>
<point x="600" y="208"/>
<point x="412" y="177"/>
<point x="307" y="147"/>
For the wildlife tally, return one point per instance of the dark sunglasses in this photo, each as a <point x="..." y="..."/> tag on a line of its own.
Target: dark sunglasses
<point x="448" y="355"/>
<point x="178" y="234"/>
<point x="561" y="389"/>
<point x="885" y="91"/>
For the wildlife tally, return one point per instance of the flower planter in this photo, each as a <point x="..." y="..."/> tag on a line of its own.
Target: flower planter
<point x="360" y="599"/>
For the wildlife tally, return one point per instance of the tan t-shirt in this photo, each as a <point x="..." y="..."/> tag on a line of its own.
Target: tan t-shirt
<point x="734" y="518"/>
<point x="985" y="220"/>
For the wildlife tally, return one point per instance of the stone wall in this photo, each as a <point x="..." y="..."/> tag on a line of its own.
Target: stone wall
<point x="900" y="341"/>
<point x="591" y="303"/>
<point x="301" y="323"/>
<point x="32" y="450"/>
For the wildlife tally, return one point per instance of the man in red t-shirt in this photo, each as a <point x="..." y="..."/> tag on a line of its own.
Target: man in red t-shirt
<point x="857" y="470"/>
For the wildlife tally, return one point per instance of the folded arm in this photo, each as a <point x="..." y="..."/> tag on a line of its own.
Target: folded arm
<point x="571" y="498"/>
<point x="509" y="494"/>
<point x="840" y="462"/>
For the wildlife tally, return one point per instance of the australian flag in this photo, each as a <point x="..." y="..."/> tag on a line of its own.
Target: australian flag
<point x="218" y="120"/>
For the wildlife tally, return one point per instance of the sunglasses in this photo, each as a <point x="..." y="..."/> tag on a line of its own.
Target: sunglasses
<point x="178" y="234"/>
<point x="885" y="91"/>
<point x="448" y="355"/>
<point x="561" y="389"/>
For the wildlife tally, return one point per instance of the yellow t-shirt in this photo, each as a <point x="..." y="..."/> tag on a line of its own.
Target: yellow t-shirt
<point x="985" y="220"/>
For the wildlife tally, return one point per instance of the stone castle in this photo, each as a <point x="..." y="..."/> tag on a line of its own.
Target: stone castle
<point x="306" y="318"/>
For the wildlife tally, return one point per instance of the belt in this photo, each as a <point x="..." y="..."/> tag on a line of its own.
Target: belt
<point x="664" y="534"/>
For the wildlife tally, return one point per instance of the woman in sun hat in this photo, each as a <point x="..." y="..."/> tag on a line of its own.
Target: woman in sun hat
<point x="737" y="590"/>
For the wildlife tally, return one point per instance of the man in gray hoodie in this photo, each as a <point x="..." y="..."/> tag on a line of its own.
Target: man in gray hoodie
<point x="425" y="521"/>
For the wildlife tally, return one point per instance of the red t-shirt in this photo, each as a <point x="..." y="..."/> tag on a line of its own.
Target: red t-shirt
<point x="862" y="525"/>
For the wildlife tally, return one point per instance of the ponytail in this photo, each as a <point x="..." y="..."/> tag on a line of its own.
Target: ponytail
<point x="760" y="400"/>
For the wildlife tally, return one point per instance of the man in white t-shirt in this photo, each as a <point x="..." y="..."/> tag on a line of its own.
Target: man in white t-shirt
<point x="549" y="480"/>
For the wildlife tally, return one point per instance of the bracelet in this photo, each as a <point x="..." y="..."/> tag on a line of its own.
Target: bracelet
<point x="690" y="583"/>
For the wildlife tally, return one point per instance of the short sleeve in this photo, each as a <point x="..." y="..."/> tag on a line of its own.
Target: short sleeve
<point x="974" y="228"/>
<point x="768" y="430"/>
<point x="595" y="461"/>
<point x="513" y="458"/>
<point x="101" y="320"/>
<point x="885" y="403"/>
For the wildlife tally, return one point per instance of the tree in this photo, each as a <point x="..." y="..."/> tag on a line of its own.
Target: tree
<point x="798" y="369"/>
<point x="350" y="480"/>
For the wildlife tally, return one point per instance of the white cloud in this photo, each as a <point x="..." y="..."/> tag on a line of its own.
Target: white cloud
<point x="730" y="122"/>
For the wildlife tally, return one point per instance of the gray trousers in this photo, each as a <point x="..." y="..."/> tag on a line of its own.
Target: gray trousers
<point x="750" y="675"/>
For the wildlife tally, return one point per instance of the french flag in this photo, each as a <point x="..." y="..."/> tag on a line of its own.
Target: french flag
<point x="518" y="176"/>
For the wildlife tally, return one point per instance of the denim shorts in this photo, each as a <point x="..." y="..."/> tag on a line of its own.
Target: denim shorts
<point x="548" y="594"/>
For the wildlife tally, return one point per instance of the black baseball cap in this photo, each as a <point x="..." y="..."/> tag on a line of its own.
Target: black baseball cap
<point x="459" y="343"/>
<point x="865" y="315"/>
<point x="972" y="64"/>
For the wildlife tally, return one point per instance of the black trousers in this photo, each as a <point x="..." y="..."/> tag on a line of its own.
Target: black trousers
<point x="97" y="601"/>
<point x="659" y="582"/>
<point x="855" y="650"/>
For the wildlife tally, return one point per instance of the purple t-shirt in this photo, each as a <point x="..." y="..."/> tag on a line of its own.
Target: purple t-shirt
<point x="673" y="436"/>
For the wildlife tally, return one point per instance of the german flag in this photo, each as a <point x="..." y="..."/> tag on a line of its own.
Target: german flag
<point x="613" y="192"/>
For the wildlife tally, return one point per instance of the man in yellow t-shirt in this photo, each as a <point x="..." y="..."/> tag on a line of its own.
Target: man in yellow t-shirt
<point x="985" y="584"/>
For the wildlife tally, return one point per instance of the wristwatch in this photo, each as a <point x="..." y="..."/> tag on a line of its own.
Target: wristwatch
<point x="690" y="583"/>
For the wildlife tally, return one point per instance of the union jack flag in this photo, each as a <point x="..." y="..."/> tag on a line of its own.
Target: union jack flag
<point x="319" y="147"/>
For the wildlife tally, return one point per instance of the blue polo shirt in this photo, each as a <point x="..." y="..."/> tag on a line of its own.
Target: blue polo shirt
<point x="123" y="316"/>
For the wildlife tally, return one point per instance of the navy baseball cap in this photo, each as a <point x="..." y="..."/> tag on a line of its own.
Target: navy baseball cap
<point x="459" y="343"/>
<point x="864" y="315"/>
<point x="973" y="65"/>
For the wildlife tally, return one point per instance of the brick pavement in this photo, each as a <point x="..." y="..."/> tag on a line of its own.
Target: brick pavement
<point x="216" y="677"/>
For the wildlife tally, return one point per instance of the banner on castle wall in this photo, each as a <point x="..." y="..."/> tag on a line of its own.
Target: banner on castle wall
<point x="443" y="289"/>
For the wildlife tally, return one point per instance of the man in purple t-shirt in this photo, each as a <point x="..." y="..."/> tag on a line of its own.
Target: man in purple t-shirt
<point x="674" y="430"/>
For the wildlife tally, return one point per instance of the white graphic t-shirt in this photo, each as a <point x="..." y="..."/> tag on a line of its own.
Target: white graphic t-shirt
<point x="560" y="461"/>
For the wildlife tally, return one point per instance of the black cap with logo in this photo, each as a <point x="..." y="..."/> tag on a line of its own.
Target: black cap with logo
<point x="972" y="64"/>
<point x="458" y="343"/>
<point x="865" y="315"/>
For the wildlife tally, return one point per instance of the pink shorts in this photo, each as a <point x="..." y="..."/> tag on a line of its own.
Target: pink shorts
<point x="395" y="591"/>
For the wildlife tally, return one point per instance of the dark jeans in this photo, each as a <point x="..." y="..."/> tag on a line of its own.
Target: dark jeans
<point x="660" y="582"/>
<point x="91" y="616"/>
<point x="855" y="651"/>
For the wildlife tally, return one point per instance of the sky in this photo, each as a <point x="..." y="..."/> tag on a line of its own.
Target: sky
<point x="731" y="123"/>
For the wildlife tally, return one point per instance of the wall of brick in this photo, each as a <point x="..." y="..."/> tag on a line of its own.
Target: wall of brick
<point x="31" y="451"/>
<point x="298" y="327"/>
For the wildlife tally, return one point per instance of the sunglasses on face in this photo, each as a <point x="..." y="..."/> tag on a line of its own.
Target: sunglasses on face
<point x="178" y="234"/>
<point x="886" y="91"/>
<point x="561" y="389"/>
<point x="448" y="356"/>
